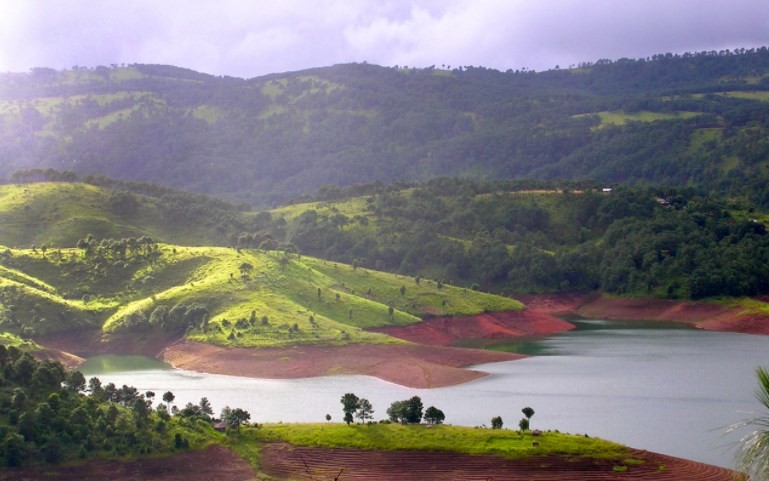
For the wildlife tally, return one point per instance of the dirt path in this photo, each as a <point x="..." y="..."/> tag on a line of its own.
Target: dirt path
<point x="215" y="463"/>
<point x="409" y="365"/>
<point x="283" y="461"/>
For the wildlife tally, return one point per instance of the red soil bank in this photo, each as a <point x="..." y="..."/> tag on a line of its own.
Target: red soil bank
<point x="704" y="315"/>
<point x="283" y="461"/>
<point x="444" y="331"/>
<point x="215" y="463"/>
<point x="405" y="364"/>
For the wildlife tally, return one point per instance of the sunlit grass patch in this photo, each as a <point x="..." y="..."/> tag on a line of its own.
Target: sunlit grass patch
<point x="390" y="437"/>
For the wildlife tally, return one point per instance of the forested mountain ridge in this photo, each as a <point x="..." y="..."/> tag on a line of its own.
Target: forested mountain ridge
<point x="671" y="119"/>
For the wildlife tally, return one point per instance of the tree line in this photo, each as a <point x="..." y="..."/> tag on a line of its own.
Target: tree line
<point x="504" y="237"/>
<point x="50" y="415"/>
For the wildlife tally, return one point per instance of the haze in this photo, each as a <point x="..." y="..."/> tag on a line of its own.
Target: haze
<point x="252" y="38"/>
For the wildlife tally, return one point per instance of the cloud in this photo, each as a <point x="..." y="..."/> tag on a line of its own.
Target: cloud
<point x="250" y="38"/>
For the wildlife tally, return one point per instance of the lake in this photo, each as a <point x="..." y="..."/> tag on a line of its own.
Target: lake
<point x="660" y="387"/>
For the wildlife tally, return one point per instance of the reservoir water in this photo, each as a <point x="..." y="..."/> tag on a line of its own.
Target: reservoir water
<point x="651" y="386"/>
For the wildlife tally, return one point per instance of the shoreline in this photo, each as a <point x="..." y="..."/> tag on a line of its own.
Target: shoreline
<point x="428" y="359"/>
<point x="410" y="365"/>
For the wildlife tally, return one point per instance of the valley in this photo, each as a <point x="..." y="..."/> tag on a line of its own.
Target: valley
<point x="591" y="239"/>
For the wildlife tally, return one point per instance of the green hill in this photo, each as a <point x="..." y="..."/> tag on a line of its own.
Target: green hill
<point x="61" y="213"/>
<point x="219" y="295"/>
<point x="505" y="236"/>
<point x="525" y="236"/>
<point x="697" y="118"/>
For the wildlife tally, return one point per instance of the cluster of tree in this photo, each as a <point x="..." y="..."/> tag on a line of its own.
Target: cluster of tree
<point x="409" y="411"/>
<point x="523" y="424"/>
<point x="51" y="415"/>
<point x="177" y="319"/>
<point x="143" y="249"/>
<point x="510" y="237"/>
<point x="28" y="316"/>
<point x="360" y="123"/>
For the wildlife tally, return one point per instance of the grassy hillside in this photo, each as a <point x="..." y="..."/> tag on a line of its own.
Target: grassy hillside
<point x="219" y="295"/>
<point x="61" y="213"/>
<point x="267" y="139"/>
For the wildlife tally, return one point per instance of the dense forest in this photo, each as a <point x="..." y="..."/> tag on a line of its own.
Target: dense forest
<point x="499" y="236"/>
<point x="50" y="415"/>
<point x="525" y="236"/>
<point x="693" y="119"/>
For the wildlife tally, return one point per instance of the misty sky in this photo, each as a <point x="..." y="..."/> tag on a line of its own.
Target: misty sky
<point x="248" y="38"/>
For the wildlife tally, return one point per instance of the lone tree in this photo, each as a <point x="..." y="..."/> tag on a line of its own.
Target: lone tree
<point x="365" y="410"/>
<point x="496" y="422"/>
<point x="168" y="398"/>
<point x="350" y="404"/>
<point x="528" y="412"/>
<point x="245" y="269"/>
<point x="753" y="454"/>
<point x="523" y="424"/>
<point x="434" y="415"/>
<point x="235" y="417"/>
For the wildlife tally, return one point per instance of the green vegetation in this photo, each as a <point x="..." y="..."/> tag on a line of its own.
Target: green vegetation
<point x="264" y="140"/>
<point x="512" y="444"/>
<point x="60" y="212"/>
<point x="621" y="118"/>
<point x="45" y="417"/>
<point x="526" y="236"/>
<point x="753" y="453"/>
<point x="229" y="296"/>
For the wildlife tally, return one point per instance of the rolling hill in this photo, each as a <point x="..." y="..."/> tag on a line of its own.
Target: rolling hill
<point x="697" y="118"/>
<point x="224" y="296"/>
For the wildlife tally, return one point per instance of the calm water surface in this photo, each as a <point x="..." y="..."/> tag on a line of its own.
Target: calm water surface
<point x="649" y="386"/>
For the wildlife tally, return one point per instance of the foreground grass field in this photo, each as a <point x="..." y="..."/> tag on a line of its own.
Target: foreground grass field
<point x="465" y="440"/>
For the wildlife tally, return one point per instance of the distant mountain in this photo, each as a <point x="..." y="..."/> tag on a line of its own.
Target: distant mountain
<point x="691" y="119"/>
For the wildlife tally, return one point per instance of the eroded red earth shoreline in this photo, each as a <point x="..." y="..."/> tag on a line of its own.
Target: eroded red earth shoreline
<point x="428" y="360"/>
<point x="411" y="365"/>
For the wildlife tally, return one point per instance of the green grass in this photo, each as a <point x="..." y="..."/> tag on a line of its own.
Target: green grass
<point x="465" y="440"/>
<point x="8" y="340"/>
<point x="355" y="206"/>
<point x="208" y="113"/>
<point x="750" y="306"/>
<point x="62" y="288"/>
<point x="622" y="118"/>
<point x="760" y="95"/>
<point x="61" y="213"/>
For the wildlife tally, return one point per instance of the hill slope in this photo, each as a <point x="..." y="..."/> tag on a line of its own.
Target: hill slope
<point x="62" y="213"/>
<point x="216" y="295"/>
<point x="696" y="118"/>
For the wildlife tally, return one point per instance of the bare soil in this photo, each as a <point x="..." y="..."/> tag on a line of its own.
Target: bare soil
<point x="704" y="315"/>
<point x="427" y="361"/>
<point x="410" y="365"/>
<point x="283" y="461"/>
<point x="445" y="331"/>
<point x="215" y="463"/>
